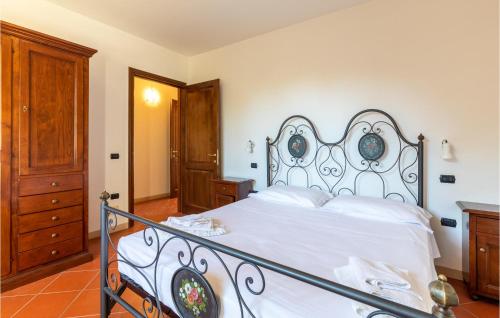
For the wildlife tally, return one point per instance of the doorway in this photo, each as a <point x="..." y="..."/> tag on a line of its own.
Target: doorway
<point x="154" y="132"/>
<point x="193" y="149"/>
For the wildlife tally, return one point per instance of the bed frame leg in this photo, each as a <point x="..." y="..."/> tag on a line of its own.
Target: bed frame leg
<point x="105" y="303"/>
<point x="445" y="297"/>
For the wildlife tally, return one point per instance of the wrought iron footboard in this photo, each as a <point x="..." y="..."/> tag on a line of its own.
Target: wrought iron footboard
<point x="206" y="305"/>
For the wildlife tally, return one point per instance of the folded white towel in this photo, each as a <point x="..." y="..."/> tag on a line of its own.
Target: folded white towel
<point x="192" y="221"/>
<point x="387" y="276"/>
<point x="359" y="270"/>
<point x="196" y="225"/>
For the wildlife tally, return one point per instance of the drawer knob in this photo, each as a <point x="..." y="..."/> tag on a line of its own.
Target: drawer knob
<point x="54" y="235"/>
<point x="54" y="184"/>
<point x="54" y="252"/>
<point x="482" y="250"/>
<point x="55" y="218"/>
<point x="54" y="201"/>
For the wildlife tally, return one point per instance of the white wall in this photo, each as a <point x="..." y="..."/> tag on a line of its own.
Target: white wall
<point x="152" y="139"/>
<point x="108" y="101"/>
<point x="432" y="64"/>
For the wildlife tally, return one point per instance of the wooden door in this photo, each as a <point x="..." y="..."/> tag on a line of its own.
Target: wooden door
<point x="51" y="110"/>
<point x="6" y="146"/>
<point x="200" y="156"/>
<point x="175" y="132"/>
<point x="488" y="264"/>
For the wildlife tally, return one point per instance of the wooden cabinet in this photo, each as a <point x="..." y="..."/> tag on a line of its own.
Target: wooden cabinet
<point x="44" y="155"/>
<point x="480" y="248"/>
<point x="228" y="190"/>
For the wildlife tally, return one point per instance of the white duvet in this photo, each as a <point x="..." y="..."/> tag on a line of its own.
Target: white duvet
<point x="307" y="239"/>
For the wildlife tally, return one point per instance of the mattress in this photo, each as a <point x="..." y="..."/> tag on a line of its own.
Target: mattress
<point x="306" y="239"/>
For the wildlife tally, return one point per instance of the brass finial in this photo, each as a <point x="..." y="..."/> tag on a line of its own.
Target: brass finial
<point x="104" y="196"/>
<point x="445" y="297"/>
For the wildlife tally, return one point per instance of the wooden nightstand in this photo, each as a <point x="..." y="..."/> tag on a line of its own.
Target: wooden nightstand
<point x="480" y="248"/>
<point x="228" y="190"/>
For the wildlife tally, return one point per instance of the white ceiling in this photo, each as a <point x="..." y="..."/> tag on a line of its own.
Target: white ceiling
<point x="195" y="26"/>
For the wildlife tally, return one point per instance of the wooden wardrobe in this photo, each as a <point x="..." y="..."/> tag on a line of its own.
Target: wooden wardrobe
<point x="44" y="218"/>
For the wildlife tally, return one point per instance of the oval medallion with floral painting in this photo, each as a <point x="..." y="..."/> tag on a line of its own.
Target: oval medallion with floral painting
<point x="371" y="146"/>
<point x="297" y="146"/>
<point x="192" y="294"/>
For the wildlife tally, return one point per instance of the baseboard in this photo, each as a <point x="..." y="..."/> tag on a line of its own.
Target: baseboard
<point x="119" y="227"/>
<point x="449" y="272"/>
<point x="151" y="198"/>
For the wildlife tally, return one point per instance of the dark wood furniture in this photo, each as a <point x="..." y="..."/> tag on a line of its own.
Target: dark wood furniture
<point x="228" y="190"/>
<point x="44" y="155"/>
<point x="480" y="248"/>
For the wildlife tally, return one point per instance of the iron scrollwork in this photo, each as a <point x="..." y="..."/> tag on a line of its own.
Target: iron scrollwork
<point x="370" y="147"/>
<point x="190" y="259"/>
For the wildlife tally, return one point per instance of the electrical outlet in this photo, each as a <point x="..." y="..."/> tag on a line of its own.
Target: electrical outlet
<point x="115" y="196"/>
<point x="115" y="156"/>
<point x="448" y="222"/>
<point x="253" y="165"/>
<point x="447" y="178"/>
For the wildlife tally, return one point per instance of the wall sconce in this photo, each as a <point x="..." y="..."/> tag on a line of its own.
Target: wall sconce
<point x="446" y="150"/>
<point x="151" y="96"/>
<point x="249" y="146"/>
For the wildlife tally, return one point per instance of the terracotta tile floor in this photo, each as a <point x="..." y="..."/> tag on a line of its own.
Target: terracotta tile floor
<point x="75" y="292"/>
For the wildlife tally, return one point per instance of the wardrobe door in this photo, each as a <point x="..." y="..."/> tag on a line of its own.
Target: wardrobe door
<point x="51" y="110"/>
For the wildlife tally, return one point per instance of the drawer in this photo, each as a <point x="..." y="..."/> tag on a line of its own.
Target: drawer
<point x="487" y="225"/>
<point x="42" y="202"/>
<point x="49" y="253"/>
<point x="225" y="188"/>
<point x="41" y="220"/>
<point x="49" y="236"/>
<point x="221" y="200"/>
<point x="39" y="185"/>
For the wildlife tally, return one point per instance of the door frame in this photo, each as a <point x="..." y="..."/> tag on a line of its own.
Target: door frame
<point x="132" y="73"/>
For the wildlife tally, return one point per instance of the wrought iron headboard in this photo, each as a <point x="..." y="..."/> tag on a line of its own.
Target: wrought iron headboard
<point x="372" y="157"/>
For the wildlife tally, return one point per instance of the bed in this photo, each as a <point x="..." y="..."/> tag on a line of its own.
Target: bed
<point x="278" y="258"/>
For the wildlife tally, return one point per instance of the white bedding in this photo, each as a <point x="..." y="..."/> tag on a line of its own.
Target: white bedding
<point x="307" y="239"/>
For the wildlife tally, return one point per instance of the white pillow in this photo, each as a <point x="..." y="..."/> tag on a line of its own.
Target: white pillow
<point x="379" y="209"/>
<point x="305" y="197"/>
